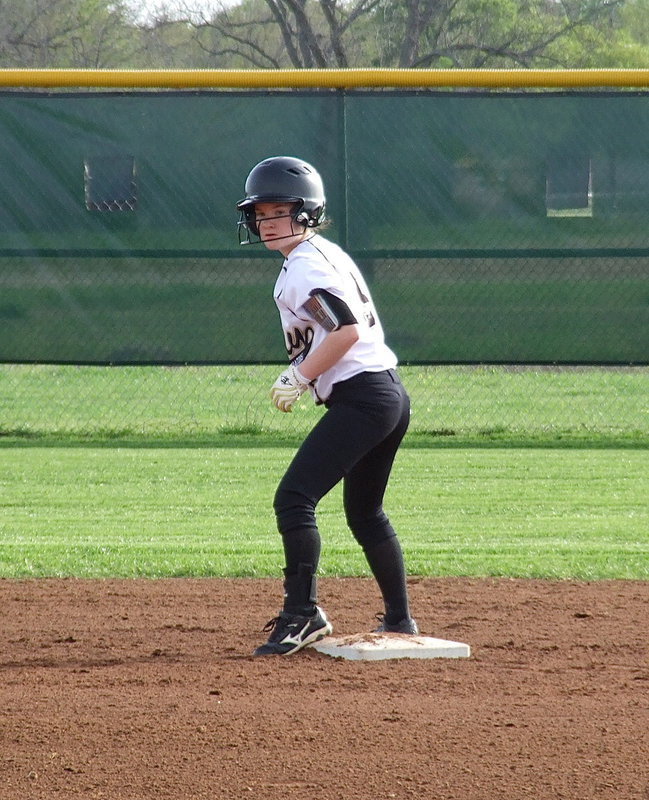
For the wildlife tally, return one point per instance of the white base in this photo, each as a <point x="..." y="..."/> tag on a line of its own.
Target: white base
<point x="382" y="646"/>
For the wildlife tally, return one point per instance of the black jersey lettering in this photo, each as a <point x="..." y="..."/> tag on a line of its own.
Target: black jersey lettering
<point x="298" y="342"/>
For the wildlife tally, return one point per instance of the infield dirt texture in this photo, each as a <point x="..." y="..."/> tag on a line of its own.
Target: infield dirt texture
<point x="143" y="690"/>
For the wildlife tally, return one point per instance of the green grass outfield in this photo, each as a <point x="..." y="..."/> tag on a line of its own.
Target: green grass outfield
<point x="105" y="511"/>
<point x="147" y="471"/>
<point x="105" y="315"/>
<point x="451" y="405"/>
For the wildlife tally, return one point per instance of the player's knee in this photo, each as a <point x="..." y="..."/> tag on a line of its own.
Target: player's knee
<point x="370" y="531"/>
<point x="293" y="510"/>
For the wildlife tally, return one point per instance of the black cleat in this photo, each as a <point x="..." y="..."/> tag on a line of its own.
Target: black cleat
<point x="406" y="625"/>
<point x="292" y="632"/>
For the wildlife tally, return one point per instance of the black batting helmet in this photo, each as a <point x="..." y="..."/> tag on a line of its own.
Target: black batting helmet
<point x="283" y="179"/>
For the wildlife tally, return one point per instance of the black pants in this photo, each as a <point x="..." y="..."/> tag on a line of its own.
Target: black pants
<point x="355" y="441"/>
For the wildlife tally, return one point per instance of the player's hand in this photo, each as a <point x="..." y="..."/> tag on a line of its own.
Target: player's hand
<point x="288" y="389"/>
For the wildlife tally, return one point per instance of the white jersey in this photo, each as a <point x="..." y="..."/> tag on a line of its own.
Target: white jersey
<point x="317" y="263"/>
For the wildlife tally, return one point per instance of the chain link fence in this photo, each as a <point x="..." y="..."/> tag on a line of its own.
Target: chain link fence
<point x="503" y="235"/>
<point x="509" y="309"/>
<point x="201" y="402"/>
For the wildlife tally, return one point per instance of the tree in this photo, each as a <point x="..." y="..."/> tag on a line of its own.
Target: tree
<point x="627" y="44"/>
<point x="65" y="33"/>
<point x="492" y="33"/>
<point x="301" y="34"/>
<point x="166" y="42"/>
<point x="407" y="33"/>
<point x="287" y="33"/>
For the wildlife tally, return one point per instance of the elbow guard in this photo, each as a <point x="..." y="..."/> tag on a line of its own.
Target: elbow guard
<point x="328" y="310"/>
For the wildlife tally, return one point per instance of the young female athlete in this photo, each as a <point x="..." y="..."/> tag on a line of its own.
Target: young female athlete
<point x="336" y="351"/>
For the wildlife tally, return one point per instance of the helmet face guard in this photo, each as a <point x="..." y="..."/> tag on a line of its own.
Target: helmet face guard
<point x="248" y="226"/>
<point x="286" y="180"/>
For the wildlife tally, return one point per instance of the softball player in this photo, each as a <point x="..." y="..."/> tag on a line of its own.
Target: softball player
<point x="337" y="352"/>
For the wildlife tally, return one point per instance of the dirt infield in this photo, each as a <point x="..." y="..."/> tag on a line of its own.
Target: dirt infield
<point x="143" y="690"/>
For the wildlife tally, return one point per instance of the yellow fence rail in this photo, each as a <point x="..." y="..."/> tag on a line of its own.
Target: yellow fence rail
<point x="324" y="78"/>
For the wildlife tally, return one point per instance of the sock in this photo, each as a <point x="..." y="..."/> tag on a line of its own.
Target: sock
<point x="386" y="562"/>
<point x="301" y="546"/>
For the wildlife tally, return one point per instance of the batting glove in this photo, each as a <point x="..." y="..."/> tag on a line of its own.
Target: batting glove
<point x="288" y="389"/>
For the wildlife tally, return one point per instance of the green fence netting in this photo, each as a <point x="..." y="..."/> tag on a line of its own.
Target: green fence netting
<point x="493" y="227"/>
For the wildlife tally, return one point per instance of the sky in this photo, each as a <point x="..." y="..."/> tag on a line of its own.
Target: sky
<point x="145" y="7"/>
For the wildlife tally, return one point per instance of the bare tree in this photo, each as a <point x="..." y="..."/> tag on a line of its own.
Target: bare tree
<point x="276" y="33"/>
<point x="419" y="14"/>
<point x="64" y="33"/>
<point x="321" y="34"/>
<point x="402" y="33"/>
